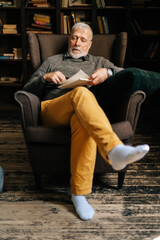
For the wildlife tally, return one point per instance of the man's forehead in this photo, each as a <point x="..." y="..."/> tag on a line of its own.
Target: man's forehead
<point x="81" y="33"/>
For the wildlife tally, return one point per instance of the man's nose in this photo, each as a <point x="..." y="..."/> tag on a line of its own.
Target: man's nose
<point x="78" y="42"/>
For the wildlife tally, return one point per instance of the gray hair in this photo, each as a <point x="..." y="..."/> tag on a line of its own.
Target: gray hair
<point x="81" y="25"/>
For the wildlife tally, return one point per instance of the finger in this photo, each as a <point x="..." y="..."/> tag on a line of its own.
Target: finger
<point x="61" y="76"/>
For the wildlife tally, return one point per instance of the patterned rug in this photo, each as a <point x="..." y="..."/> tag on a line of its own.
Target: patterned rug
<point x="130" y="213"/>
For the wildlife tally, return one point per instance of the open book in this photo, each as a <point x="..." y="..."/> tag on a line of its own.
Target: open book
<point x="78" y="79"/>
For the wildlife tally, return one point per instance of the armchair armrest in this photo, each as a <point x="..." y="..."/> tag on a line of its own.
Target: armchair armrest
<point x="30" y="108"/>
<point x="129" y="108"/>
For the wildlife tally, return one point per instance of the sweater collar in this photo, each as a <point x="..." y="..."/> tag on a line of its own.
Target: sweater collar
<point x="84" y="58"/>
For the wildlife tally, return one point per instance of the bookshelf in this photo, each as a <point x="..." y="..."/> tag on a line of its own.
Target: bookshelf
<point x="144" y="34"/>
<point x="11" y="62"/>
<point x="113" y="15"/>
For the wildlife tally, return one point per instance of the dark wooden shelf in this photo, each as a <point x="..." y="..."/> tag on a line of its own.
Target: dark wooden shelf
<point x="19" y="85"/>
<point x="119" y="19"/>
<point x="40" y="8"/>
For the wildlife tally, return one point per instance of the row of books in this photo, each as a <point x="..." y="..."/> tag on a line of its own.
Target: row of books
<point x="103" y="26"/>
<point x="137" y="30"/>
<point x="67" y="21"/>
<point x="9" y="29"/>
<point x="41" y="23"/>
<point x="100" y="3"/>
<point x="14" y="3"/>
<point x="75" y="3"/>
<point x="39" y="3"/>
<point x="16" y="54"/>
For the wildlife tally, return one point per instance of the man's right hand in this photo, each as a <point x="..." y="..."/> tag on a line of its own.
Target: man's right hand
<point x="55" y="77"/>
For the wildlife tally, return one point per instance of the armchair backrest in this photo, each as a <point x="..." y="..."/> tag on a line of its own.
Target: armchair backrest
<point x="111" y="46"/>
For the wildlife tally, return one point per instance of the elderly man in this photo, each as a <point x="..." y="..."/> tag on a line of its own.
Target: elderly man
<point x="79" y="109"/>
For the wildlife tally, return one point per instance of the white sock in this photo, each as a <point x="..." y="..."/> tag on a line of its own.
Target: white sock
<point x="82" y="207"/>
<point x="122" y="155"/>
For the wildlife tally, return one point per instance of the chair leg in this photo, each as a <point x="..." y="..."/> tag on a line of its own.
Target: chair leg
<point x="121" y="176"/>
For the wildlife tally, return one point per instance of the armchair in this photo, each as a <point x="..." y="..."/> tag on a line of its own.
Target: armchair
<point x="49" y="148"/>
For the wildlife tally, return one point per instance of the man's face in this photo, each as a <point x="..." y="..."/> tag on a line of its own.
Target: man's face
<point x="79" y="43"/>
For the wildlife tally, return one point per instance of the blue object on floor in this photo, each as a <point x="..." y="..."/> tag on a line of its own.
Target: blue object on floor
<point x="1" y="179"/>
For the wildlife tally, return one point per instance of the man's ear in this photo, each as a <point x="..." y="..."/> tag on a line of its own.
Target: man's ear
<point x="90" y="44"/>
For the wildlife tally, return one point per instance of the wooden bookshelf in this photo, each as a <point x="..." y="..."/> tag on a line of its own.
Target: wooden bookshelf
<point x="144" y="35"/>
<point x="119" y="14"/>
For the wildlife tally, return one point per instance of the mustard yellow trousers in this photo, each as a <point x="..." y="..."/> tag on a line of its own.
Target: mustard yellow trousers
<point x="90" y="128"/>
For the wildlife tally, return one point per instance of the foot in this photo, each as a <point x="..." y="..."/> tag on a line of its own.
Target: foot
<point x="122" y="155"/>
<point x="82" y="207"/>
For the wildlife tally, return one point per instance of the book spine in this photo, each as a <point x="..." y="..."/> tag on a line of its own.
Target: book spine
<point x="41" y="19"/>
<point x="40" y="26"/>
<point x="43" y="23"/>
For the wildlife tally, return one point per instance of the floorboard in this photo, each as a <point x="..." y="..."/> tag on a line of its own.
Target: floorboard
<point x="131" y="213"/>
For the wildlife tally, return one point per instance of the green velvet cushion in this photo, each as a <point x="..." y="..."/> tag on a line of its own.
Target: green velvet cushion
<point x="144" y="80"/>
<point x="124" y="83"/>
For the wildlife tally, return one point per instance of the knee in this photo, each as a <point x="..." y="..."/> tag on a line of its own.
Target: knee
<point x="82" y="93"/>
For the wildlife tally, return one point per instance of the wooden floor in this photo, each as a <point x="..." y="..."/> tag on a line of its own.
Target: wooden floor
<point x="130" y="213"/>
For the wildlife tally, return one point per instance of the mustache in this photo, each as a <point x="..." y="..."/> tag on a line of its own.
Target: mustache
<point x="76" y="48"/>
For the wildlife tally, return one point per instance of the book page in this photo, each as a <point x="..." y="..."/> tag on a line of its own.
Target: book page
<point x="78" y="79"/>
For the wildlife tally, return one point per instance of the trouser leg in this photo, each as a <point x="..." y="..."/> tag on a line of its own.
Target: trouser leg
<point x="58" y="112"/>
<point x="83" y="156"/>
<point x="80" y="101"/>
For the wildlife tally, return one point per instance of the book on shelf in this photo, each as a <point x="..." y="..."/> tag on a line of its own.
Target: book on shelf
<point x="103" y="24"/>
<point x="10" y="26"/>
<point x="65" y="31"/>
<point x="136" y="27"/>
<point x="64" y="4"/>
<point x="79" y="3"/>
<point x="17" y="53"/>
<point x="100" y="3"/>
<point x="9" y="29"/>
<point x="67" y="21"/>
<point x="152" y="50"/>
<point x="6" y="3"/>
<point x="41" y="22"/>
<point x="78" y="79"/>
<point x="62" y="22"/>
<point x="38" y="3"/>
<point x="4" y="56"/>
<point x="39" y="31"/>
<point x="100" y="26"/>
<point x="40" y="26"/>
<point x="8" y="79"/>
<point x="42" y="16"/>
<point x="151" y="32"/>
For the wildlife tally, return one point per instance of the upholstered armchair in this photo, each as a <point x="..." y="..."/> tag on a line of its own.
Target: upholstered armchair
<point x="49" y="148"/>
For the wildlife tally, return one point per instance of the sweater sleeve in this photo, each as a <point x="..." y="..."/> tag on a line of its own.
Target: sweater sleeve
<point x="36" y="83"/>
<point x="107" y="64"/>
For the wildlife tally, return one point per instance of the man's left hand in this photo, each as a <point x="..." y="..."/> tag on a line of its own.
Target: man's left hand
<point x="99" y="76"/>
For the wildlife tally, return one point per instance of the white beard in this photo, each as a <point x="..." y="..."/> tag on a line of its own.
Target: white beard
<point x="81" y="54"/>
